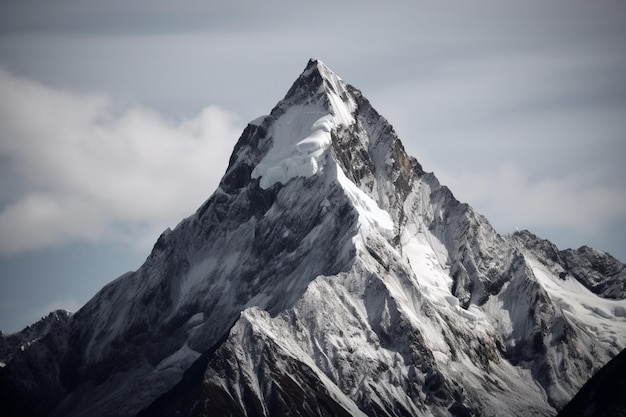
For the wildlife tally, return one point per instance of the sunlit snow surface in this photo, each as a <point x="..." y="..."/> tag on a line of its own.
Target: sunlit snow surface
<point x="369" y="212"/>
<point x="604" y="318"/>
<point x="302" y="136"/>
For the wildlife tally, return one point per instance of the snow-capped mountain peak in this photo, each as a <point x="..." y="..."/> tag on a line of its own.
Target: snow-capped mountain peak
<point x="300" y="134"/>
<point x="328" y="275"/>
<point x="318" y="83"/>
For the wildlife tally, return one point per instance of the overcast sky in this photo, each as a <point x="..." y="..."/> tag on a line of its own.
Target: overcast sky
<point x="117" y="120"/>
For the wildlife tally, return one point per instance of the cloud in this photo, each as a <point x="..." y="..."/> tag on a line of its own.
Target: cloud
<point x="86" y="170"/>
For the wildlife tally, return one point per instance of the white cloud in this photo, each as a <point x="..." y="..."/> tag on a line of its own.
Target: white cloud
<point x="87" y="171"/>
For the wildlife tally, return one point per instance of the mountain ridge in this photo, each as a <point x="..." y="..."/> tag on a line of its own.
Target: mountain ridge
<point x="329" y="273"/>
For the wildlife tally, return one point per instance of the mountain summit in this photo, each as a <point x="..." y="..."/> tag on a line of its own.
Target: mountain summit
<point x="328" y="275"/>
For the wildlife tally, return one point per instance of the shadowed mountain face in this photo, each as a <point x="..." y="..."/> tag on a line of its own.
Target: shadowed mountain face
<point x="604" y="395"/>
<point x="328" y="275"/>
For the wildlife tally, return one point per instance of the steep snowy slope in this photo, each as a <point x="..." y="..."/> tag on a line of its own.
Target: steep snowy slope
<point x="330" y="275"/>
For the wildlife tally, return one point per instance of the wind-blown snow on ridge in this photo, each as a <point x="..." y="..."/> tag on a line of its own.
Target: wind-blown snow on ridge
<point x="301" y="136"/>
<point x="305" y="157"/>
<point x="328" y="275"/>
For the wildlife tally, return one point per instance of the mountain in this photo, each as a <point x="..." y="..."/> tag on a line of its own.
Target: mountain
<point x="328" y="275"/>
<point x="603" y="395"/>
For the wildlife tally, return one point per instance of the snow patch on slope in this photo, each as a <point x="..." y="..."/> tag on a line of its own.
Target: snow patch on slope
<point x="425" y="262"/>
<point x="604" y="318"/>
<point x="369" y="212"/>
<point x="181" y="359"/>
<point x="427" y="257"/>
<point x="302" y="135"/>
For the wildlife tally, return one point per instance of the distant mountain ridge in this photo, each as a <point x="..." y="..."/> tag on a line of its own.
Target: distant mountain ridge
<point x="328" y="275"/>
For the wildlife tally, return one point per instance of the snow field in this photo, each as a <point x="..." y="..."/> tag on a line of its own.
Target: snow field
<point x="604" y="318"/>
<point x="370" y="214"/>
<point x="181" y="359"/>
<point x="426" y="256"/>
<point x="301" y="136"/>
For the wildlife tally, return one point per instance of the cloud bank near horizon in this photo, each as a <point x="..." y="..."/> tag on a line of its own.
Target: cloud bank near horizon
<point x="78" y="168"/>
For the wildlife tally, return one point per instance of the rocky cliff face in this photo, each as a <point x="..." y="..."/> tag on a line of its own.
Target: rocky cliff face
<point x="329" y="275"/>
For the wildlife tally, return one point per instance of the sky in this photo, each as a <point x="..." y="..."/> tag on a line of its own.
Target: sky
<point x="117" y="119"/>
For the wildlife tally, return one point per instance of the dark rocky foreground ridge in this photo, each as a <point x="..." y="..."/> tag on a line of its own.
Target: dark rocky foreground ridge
<point x="604" y="395"/>
<point x="328" y="275"/>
